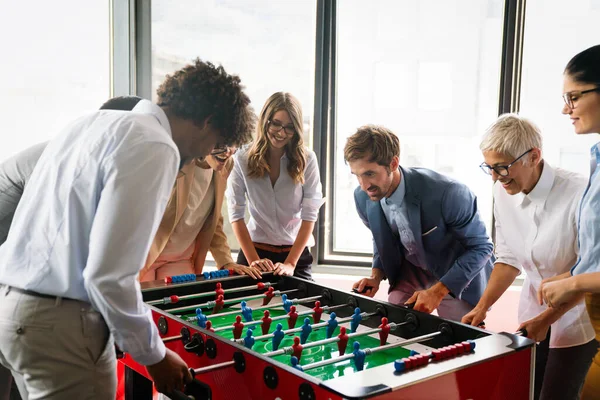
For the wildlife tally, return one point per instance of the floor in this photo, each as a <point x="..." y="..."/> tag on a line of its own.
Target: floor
<point x="501" y="318"/>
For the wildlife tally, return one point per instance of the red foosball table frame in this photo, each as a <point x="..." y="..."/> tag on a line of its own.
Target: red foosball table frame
<point x="501" y="366"/>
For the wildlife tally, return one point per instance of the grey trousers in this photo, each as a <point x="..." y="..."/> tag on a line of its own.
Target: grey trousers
<point x="414" y="278"/>
<point x="62" y="348"/>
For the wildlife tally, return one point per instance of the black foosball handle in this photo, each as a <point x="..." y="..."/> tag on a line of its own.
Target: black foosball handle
<point x="522" y="332"/>
<point x="194" y="390"/>
<point x="365" y="290"/>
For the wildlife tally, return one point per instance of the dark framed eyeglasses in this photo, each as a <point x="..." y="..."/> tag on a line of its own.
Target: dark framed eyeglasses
<point x="571" y="97"/>
<point x="276" y="126"/>
<point x="501" y="170"/>
<point x="221" y="149"/>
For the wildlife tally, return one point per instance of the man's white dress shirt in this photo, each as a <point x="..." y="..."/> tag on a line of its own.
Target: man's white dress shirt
<point x="537" y="232"/>
<point x="84" y="225"/>
<point x="276" y="212"/>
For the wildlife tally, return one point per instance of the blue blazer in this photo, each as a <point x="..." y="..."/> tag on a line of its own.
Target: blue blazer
<point x="450" y="235"/>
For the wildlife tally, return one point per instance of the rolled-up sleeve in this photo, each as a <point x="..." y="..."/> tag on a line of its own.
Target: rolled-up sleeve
<point x="137" y="184"/>
<point x="312" y="192"/>
<point x="502" y="251"/>
<point x="236" y="190"/>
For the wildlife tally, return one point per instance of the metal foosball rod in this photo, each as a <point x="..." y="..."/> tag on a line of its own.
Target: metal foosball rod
<point x="307" y="312"/>
<point x="290" y="350"/>
<point x="176" y="299"/>
<point x="211" y="368"/>
<point x="271" y="306"/>
<point x="368" y="351"/>
<point x="279" y="318"/>
<point x="365" y="315"/>
<point x="172" y="338"/>
<point x="211" y="304"/>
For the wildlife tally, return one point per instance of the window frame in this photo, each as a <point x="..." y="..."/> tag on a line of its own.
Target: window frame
<point x="131" y="74"/>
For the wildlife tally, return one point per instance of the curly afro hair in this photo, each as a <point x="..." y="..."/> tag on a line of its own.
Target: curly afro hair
<point x="200" y="90"/>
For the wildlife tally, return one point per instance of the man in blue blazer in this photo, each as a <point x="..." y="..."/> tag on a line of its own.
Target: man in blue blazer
<point x="428" y="238"/>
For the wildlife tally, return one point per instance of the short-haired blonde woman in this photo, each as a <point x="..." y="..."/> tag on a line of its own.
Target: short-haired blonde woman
<point x="280" y="179"/>
<point x="535" y="215"/>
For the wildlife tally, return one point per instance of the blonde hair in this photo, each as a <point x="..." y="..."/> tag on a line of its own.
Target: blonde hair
<point x="512" y="135"/>
<point x="375" y="143"/>
<point x="258" y="164"/>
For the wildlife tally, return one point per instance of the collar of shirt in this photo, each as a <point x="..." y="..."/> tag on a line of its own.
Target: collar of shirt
<point x="397" y="198"/>
<point x="541" y="190"/>
<point x="147" y="107"/>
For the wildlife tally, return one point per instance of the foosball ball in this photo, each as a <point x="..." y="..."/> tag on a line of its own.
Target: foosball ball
<point x="288" y="338"/>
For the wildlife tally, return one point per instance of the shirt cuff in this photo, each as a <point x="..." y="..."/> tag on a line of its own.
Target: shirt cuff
<point x="310" y="209"/>
<point x="155" y="356"/>
<point x="236" y="212"/>
<point x="513" y="262"/>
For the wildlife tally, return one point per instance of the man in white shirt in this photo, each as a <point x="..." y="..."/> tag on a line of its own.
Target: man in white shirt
<point x="535" y="209"/>
<point x="83" y="229"/>
<point x="14" y="175"/>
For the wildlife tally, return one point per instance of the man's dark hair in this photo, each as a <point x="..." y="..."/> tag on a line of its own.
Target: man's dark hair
<point x="585" y="66"/>
<point x="201" y="90"/>
<point x="123" y="103"/>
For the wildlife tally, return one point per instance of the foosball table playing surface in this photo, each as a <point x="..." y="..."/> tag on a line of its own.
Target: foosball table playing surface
<point x="288" y="338"/>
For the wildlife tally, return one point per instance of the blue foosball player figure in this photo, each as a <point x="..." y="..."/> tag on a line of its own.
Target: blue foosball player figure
<point x="331" y="325"/>
<point x="249" y="339"/>
<point x="277" y="336"/>
<point x="356" y="318"/>
<point x="201" y="318"/>
<point x="246" y="312"/>
<point x="359" y="357"/>
<point x="306" y="330"/>
<point x="286" y="303"/>
<point x="294" y="362"/>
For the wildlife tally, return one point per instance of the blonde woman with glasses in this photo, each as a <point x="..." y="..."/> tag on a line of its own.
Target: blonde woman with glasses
<point x="582" y="104"/>
<point x="534" y="208"/>
<point x="279" y="177"/>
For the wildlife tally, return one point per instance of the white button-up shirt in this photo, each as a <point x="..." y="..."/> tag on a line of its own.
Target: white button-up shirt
<point x="14" y="173"/>
<point x="84" y="225"/>
<point x="276" y="212"/>
<point x="537" y="232"/>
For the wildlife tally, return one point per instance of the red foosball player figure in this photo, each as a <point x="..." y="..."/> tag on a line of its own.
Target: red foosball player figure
<point x="385" y="331"/>
<point x="318" y="311"/>
<point x="343" y="340"/>
<point x="266" y="322"/>
<point x="219" y="303"/>
<point x="219" y="291"/>
<point x="297" y="348"/>
<point x="238" y="327"/>
<point x="209" y="326"/>
<point x="293" y="317"/>
<point x="269" y="294"/>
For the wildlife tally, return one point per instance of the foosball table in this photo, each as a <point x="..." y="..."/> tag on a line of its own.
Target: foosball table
<point x="288" y="338"/>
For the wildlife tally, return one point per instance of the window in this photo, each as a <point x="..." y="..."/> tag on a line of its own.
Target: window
<point x="553" y="35"/>
<point x="427" y="70"/>
<point x="55" y="67"/>
<point x="271" y="46"/>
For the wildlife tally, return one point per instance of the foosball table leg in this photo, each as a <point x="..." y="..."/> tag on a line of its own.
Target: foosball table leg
<point x="137" y="387"/>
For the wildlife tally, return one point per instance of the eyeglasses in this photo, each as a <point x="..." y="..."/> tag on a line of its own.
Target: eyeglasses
<point x="220" y="149"/>
<point x="571" y="97"/>
<point x="501" y="170"/>
<point x="276" y="126"/>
